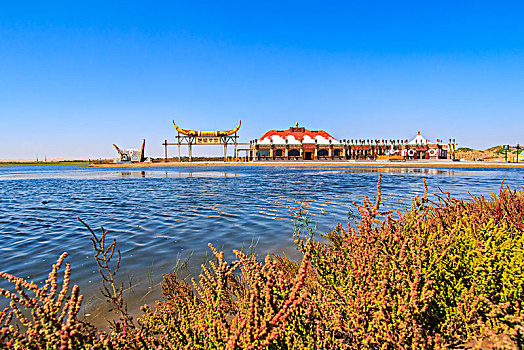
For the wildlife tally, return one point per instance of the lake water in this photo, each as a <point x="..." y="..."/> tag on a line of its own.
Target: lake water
<point x="163" y="215"/>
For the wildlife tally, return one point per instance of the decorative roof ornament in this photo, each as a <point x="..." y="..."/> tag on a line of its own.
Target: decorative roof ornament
<point x="207" y="133"/>
<point x="419" y="140"/>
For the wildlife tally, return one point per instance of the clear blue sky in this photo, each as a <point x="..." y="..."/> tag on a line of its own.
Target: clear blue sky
<point x="76" y="77"/>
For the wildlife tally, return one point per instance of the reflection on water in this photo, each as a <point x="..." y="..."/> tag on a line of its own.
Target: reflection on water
<point x="160" y="215"/>
<point x="110" y="175"/>
<point x="429" y="171"/>
<point x="128" y="174"/>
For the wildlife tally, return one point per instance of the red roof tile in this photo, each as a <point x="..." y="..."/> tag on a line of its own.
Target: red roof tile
<point x="296" y="134"/>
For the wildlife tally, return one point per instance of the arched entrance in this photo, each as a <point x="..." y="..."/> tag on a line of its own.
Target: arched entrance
<point x="294" y="153"/>
<point x="322" y="153"/>
<point x="263" y="153"/>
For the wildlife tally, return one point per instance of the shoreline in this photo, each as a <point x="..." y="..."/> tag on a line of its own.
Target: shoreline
<point x="49" y="163"/>
<point x="415" y="164"/>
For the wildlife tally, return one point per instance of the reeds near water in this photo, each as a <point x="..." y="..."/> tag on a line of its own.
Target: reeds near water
<point x="446" y="273"/>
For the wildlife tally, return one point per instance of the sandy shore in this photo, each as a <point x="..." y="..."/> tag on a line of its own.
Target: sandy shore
<point x="443" y="163"/>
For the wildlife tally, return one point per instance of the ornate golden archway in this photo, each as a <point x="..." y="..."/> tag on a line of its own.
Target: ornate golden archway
<point x="199" y="137"/>
<point x="207" y="133"/>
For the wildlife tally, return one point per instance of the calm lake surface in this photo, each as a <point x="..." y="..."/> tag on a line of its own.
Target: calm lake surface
<point x="162" y="215"/>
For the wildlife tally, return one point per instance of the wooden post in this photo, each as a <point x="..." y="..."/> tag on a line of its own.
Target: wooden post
<point x="165" y="151"/>
<point x="190" y="150"/>
<point x="179" y="159"/>
<point x="225" y="149"/>
<point x="236" y="152"/>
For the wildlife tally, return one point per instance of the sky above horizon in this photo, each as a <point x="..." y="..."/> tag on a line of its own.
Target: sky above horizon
<point x="76" y="77"/>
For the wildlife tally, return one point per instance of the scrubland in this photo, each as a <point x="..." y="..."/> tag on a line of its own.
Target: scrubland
<point x="446" y="273"/>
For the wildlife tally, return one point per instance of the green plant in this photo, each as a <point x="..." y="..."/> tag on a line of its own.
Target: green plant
<point x="430" y="278"/>
<point x="52" y="323"/>
<point x="265" y="305"/>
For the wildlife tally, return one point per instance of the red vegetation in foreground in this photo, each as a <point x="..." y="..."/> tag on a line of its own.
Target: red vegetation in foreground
<point x="444" y="274"/>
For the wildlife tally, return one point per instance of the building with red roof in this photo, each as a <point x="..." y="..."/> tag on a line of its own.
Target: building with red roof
<point x="299" y="143"/>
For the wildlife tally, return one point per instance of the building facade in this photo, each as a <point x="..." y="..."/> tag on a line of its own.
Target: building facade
<point x="296" y="143"/>
<point x="299" y="143"/>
